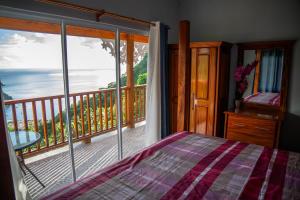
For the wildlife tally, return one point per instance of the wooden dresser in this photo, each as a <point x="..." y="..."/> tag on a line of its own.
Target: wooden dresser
<point x="251" y="127"/>
<point x="259" y="121"/>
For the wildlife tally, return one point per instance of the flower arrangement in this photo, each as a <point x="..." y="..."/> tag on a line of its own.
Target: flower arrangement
<point x="240" y="75"/>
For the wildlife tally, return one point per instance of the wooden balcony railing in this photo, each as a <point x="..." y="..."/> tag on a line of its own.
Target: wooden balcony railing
<point x="92" y="113"/>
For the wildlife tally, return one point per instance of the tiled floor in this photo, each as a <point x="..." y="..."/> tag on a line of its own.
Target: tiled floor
<point x="54" y="168"/>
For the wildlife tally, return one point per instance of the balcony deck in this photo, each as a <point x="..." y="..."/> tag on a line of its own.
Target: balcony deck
<point x="53" y="168"/>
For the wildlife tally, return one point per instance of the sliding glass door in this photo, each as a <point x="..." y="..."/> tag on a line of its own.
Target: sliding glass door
<point x="134" y="56"/>
<point x="82" y="86"/>
<point x="93" y="101"/>
<point x="32" y="77"/>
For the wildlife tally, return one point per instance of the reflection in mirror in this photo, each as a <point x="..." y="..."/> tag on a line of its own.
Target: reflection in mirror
<point x="249" y="57"/>
<point x="271" y="71"/>
<point x="264" y="82"/>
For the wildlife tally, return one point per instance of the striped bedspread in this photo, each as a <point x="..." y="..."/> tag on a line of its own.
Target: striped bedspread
<point x="269" y="98"/>
<point x="191" y="166"/>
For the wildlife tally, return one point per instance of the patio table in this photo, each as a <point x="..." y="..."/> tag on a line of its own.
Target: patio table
<point x="22" y="140"/>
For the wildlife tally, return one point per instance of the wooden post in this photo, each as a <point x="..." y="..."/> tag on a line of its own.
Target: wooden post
<point x="184" y="74"/>
<point x="257" y="71"/>
<point x="130" y="81"/>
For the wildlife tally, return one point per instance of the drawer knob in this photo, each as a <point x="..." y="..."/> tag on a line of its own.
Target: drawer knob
<point x="262" y="128"/>
<point x="239" y="124"/>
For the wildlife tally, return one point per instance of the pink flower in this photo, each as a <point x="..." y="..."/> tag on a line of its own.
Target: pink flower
<point x="243" y="86"/>
<point x="240" y="76"/>
<point x="238" y="73"/>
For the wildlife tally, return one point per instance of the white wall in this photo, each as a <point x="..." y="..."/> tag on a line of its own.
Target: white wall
<point x="165" y="11"/>
<point x="252" y="20"/>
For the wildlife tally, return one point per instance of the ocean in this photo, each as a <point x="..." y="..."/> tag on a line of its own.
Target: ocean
<point x="29" y="83"/>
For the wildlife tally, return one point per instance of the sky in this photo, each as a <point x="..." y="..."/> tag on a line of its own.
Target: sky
<point x="20" y="49"/>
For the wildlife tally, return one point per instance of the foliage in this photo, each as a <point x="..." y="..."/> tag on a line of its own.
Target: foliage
<point x="5" y="96"/>
<point x="142" y="79"/>
<point x="139" y="69"/>
<point x="81" y="129"/>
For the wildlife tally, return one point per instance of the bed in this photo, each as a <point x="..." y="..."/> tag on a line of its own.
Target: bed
<point x="272" y="99"/>
<point x="192" y="166"/>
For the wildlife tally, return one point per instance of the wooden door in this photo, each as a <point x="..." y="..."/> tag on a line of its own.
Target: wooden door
<point x="203" y="89"/>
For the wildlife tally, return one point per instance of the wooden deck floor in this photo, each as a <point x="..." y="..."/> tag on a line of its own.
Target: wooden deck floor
<point x="55" y="171"/>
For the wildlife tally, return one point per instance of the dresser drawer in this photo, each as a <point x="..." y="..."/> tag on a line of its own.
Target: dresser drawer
<point x="251" y="130"/>
<point x="251" y="137"/>
<point x="253" y="125"/>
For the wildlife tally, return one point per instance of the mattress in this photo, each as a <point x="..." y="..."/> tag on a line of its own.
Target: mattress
<point x="193" y="166"/>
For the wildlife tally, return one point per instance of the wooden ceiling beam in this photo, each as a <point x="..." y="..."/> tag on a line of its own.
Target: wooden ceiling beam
<point x="44" y="27"/>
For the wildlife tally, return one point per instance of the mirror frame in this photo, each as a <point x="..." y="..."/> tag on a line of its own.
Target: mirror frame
<point x="287" y="46"/>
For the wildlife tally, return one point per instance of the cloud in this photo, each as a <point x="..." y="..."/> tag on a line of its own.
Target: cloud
<point x="36" y="37"/>
<point x="16" y="39"/>
<point x="42" y="50"/>
<point x="6" y="60"/>
<point x="25" y="37"/>
<point x="91" y="42"/>
<point x="27" y="49"/>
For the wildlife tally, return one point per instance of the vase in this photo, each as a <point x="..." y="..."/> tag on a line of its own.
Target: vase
<point x="237" y="105"/>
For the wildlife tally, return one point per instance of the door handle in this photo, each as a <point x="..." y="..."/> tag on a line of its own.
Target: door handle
<point x="193" y="99"/>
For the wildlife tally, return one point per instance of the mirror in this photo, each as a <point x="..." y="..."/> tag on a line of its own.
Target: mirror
<point x="265" y="80"/>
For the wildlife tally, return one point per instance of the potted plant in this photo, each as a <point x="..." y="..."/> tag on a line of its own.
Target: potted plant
<point x="240" y="76"/>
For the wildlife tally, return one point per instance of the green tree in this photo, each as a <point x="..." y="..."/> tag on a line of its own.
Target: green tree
<point x="5" y="96"/>
<point x="142" y="79"/>
<point x="139" y="69"/>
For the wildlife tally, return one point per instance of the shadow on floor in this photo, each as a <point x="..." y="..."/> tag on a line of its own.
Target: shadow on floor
<point x="55" y="171"/>
<point x="290" y="133"/>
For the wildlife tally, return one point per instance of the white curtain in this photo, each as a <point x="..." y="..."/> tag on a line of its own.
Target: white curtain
<point x="153" y="91"/>
<point x="20" y="188"/>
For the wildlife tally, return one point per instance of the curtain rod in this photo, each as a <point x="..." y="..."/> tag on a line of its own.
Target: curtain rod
<point x="98" y="13"/>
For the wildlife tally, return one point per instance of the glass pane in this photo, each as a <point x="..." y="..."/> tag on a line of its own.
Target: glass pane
<point x="92" y="77"/>
<point x="31" y="72"/>
<point x="134" y="74"/>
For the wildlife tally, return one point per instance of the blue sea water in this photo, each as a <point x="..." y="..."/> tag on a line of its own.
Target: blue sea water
<point x="30" y="83"/>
